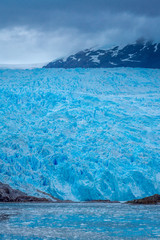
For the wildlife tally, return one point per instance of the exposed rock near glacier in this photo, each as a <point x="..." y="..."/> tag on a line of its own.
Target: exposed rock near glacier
<point x="81" y="134"/>
<point x="8" y="194"/>
<point x="155" y="199"/>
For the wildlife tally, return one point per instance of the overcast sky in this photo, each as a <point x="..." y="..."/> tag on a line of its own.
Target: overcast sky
<point x="35" y="31"/>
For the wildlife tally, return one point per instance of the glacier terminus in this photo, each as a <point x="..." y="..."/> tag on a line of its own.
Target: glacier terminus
<point x="81" y="134"/>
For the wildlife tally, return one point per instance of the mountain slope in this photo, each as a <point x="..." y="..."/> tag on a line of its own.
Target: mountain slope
<point x="141" y="54"/>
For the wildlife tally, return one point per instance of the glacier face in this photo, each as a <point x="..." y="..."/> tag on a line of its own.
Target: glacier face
<point x="81" y="134"/>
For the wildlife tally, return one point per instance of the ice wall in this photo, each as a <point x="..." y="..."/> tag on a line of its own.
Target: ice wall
<point x="81" y="134"/>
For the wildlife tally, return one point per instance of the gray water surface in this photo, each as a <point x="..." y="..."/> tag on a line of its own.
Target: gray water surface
<point x="78" y="221"/>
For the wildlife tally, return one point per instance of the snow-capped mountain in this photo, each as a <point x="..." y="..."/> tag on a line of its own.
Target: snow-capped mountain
<point x="140" y="54"/>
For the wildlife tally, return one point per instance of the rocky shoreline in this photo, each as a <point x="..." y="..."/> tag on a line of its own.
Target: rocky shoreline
<point x="155" y="199"/>
<point x="8" y="194"/>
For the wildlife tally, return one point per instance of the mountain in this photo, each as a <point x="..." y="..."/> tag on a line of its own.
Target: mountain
<point x="141" y="54"/>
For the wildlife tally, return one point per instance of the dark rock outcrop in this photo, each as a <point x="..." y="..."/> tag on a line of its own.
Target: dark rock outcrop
<point x="141" y="54"/>
<point x="155" y="199"/>
<point x="8" y="194"/>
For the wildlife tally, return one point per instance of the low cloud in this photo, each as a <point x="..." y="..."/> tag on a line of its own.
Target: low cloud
<point x="40" y="31"/>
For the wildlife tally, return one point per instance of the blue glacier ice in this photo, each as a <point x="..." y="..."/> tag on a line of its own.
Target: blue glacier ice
<point x="81" y="134"/>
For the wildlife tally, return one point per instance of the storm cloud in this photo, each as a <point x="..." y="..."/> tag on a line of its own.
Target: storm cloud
<point x="41" y="30"/>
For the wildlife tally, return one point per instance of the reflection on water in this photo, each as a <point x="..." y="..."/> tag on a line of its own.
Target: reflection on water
<point x="78" y="221"/>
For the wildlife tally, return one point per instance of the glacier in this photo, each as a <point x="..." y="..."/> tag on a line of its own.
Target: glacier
<point x="81" y="134"/>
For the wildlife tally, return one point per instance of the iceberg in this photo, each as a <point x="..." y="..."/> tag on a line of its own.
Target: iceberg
<point x="81" y="134"/>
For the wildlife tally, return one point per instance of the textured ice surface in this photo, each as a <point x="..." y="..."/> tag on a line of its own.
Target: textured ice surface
<point x="81" y="134"/>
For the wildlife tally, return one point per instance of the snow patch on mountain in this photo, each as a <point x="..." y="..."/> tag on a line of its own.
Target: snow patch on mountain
<point x="95" y="59"/>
